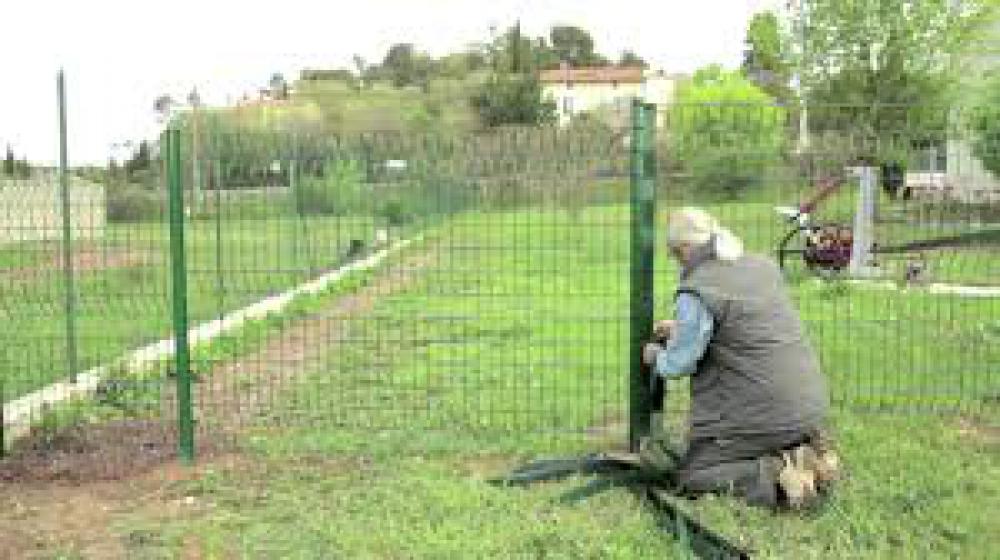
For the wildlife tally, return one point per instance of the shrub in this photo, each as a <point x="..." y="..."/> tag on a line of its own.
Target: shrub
<point x="725" y="132"/>
<point x="131" y="203"/>
<point x="337" y="191"/>
<point x="395" y="212"/>
<point x="512" y="99"/>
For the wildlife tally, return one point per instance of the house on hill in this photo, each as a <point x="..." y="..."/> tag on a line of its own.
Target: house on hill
<point x="581" y="90"/>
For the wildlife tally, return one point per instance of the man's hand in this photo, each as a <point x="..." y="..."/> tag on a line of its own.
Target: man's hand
<point x="649" y="353"/>
<point x="664" y="330"/>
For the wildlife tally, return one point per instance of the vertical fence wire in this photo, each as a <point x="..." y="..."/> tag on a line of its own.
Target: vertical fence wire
<point x="502" y="300"/>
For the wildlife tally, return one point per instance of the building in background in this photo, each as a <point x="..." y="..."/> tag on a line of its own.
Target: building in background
<point x="607" y="89"/>
<point x="32" y="209"/>
<point x="948" y="169"/>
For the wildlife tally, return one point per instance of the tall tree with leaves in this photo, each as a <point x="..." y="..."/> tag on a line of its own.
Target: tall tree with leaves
<point x="719" y="118"/>
<point x="363" y="71"/>
<point x="9" y="162"/>
<point x="398" y="64"/>
<point x="22" y="169"/>
<point x="141" y="160"/>
<point x="574" y="46"/>
<point x="629" y="58"/>
<point x="898" y="62"/>
<point x="766" y="58"/>
<point x="513" y="50"/>
<point x="512" y="93"/>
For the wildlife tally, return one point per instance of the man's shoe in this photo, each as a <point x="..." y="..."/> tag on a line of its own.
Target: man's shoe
<point x="825" y="462"/>
<point x="796" y="477"/>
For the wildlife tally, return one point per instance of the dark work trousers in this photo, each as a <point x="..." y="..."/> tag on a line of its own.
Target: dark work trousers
<point x="744" y="466"/>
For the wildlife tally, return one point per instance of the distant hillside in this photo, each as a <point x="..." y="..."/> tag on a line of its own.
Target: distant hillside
<point x="337" y="106"/>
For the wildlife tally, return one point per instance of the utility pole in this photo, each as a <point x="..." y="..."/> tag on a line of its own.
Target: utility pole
<point x="194" y="100"/>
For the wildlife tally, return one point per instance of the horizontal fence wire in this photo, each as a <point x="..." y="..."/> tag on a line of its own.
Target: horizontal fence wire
<point x="479" y="282"/>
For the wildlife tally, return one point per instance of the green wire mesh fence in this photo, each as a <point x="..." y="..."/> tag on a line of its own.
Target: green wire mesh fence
<point x="479" y="282"/>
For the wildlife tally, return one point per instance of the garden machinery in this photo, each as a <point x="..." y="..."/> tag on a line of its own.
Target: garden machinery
<point x="829" y="248"/>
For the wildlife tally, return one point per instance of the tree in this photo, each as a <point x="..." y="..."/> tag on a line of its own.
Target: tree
<point x="512" y="93"/>
<point x="575" y="46"/>
<point x="398" y="65"/>
<point x="278" y="86"/>
<point x="362" y="71"/>
<point x="514" y="52"/>
<point x="140" y="161"/>
<point x="359" y="65"/>
<point x="22" y="169"/>
<point x="629" y="58"/>
<point x="507" y="99"/>
<point x="9" y="162"/>
<point x="985" y="124"/>
<point x="455" y="65"/>
<point x="725" y="131"/>
<point x="424" y="68"/>
<point x="766" y="58"/>
<point x="893" y="61"/>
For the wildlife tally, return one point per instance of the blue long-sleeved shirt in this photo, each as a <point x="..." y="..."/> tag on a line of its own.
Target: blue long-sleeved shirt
<point x="690" y="340"/>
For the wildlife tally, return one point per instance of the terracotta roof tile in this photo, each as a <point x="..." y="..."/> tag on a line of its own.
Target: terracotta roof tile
<point x="593" y="74"/>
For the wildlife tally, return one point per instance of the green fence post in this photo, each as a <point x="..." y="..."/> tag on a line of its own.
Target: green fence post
<point x="658" y="386"/>
<point x="178" y="268"/>
<point x="643" y="210"/>
<point x="67" y="233"/>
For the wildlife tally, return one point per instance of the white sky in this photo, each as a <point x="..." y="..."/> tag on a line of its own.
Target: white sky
<point x="119" y="55"/>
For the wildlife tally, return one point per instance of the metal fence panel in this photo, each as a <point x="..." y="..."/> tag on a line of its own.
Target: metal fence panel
<point x="482" y="281"/>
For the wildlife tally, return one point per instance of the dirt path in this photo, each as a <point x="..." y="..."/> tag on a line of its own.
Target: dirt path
<point x="65" y="492"/>
<point x="238" y="389"/>
<point x="85" y="259"/>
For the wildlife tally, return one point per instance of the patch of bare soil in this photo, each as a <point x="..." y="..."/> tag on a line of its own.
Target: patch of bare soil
<point x="91" y="452"/>
<point x="979" y="431"/>
<point x="43" y="518"/>
<point x="64" y="491"/>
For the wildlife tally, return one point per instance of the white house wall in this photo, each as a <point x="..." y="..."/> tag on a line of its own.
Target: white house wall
<point x="31" y="210"/>
<point x="967" y="179"/>
<point x="585" y="97"/>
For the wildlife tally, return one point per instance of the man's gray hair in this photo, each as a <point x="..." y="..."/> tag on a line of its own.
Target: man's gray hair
<point x="694" y="226"/>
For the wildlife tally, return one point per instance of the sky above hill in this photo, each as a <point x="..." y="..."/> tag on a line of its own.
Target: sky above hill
<point x="119" y="56"/>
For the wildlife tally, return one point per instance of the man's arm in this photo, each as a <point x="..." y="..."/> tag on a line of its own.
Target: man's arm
<point x="692" y="333"/>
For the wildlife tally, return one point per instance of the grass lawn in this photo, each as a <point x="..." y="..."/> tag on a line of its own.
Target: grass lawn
<point x="123" y="286"/>
<point x="919" y="488"/>
<point x="504" y="337"/>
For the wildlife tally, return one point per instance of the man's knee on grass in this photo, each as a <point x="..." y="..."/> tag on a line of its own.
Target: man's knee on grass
<point x="752" y="480"/>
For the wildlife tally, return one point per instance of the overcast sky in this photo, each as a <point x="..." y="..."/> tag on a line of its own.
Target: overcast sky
<point x="119" y="55"/>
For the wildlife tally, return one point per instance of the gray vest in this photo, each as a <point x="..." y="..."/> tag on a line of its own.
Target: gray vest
<point x="759" y="374"/>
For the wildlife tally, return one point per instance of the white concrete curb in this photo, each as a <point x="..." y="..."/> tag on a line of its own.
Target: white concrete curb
<point x="936" y="288"/>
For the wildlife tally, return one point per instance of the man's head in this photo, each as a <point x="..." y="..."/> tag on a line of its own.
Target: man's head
<point x="690" y="229"/>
